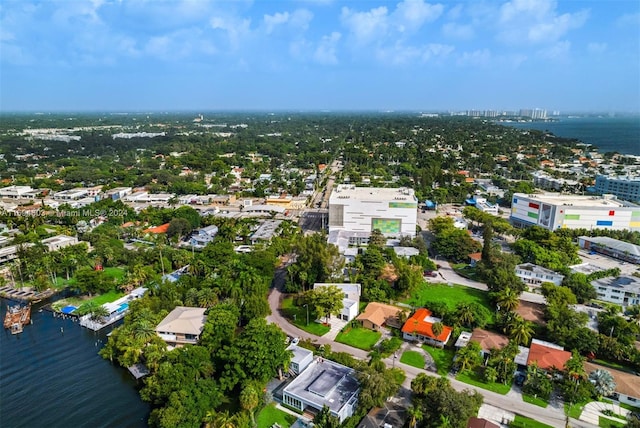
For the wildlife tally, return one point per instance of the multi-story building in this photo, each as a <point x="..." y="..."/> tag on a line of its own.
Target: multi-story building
<point x="610" y="247"/>
<point x="360" y="210"/>
<point x="556" y="210"/>
<point x="627" y="188"/>
<point x="350" y="300"/>
<point x="18" y="192"/>
<point x="623" y="290"/>
<point x="535" y="275"/>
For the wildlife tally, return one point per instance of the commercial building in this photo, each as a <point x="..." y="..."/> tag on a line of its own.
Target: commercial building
<point x="627" y="188"/>
<point x="535" y="275"/>
<point x="324" y="384"/>
<point x="350" y="301"/>
<point x="182" y="326"/>
<point x="615" y="248"/>
<point x="555" y="210"/>
<point x="18" y="192"/>
<point x="71" y="194"/>
<point x="393" y="211"/>
<point x="623" y="290"/>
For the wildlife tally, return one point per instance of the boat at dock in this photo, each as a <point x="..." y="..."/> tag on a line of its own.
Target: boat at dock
<point x="17" y="317"/>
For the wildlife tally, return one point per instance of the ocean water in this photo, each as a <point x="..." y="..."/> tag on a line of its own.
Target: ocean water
<point x="608" y="134"/>
<point x="54" y="378"/>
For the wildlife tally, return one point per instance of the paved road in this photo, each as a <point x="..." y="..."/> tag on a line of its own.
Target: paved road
<point x="551" y="416"/>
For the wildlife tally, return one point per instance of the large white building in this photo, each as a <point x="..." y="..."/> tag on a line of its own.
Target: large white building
<point x="623" y="290"/>
<point x="535" y="275"/>
<point x="555" y="210"/>
<point x="627" y="188"/>
<point x="360" y="210"/>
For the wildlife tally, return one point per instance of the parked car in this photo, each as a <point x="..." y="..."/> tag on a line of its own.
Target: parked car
<point x="520" y="379"/>
<point x="295" y="341"/>
<point x="430" y="273"/>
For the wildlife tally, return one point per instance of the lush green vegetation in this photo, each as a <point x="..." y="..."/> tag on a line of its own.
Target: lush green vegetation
<point x="358" y="337"/>
<point x="413" y="358"/>
<point x="442" y="357"/>
<point x="473" y="378"/>
<point x="524" y="422"/>
<point x="574" y="410"/>
<point x="534" y="400"/>
<point x="298" y="316"/>
<point x="448" y="295"/>
<point x="270" y="415"/>
<point x="610" y="423"/>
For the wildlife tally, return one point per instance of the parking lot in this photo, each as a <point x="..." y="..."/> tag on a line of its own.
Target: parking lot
<point x="605" y="262"/>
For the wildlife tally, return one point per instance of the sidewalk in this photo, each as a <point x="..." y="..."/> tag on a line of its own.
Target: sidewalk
<point x="592" y="411"/>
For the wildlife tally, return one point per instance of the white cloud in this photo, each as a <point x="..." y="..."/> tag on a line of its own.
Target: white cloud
<point x="596" y="48"/>
<point x="557" y="51"/>
<point x="301" y="18"/>
<point x="411" y="14"/>
<point x="458" y="31"/>
<point x="400" y="54"/>
<point x="366" y="26"/>
<point x="236" y="29"/>
<point x="325" y="53"/>
<point x="272" y="21"/>
<point x="536" y="22"/>
<point x="629" y="19"/>
<point x="477" y="58"/>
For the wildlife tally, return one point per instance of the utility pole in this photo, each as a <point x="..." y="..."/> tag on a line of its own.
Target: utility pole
<point x="307" y="306"/>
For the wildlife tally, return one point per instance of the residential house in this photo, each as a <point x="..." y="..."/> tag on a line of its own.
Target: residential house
<point x="267" y="230"/>
<point x="323" y="384"/>
<point x="535" y="275"/>
<point x="547" y="355"/>
<point x="627" y="384"/>
<point x="350" y="301"/>
<point x="474" y="258"/>
<point x="475" y="422"/>
<point x="488" y="340"/>
<point x="182" y="326"/>
<point x="376" y="315"/>
<point x="18" y="192"/>
<point x="201" y="237"/>
<point x="419" y="328"/>
<point x="58" y="242"/>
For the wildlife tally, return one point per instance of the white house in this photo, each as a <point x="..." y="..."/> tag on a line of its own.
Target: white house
<point x="201" y="237"/>
<point x="351" y="300"/>
<point x="535" y="275"/>
<point x="627" y="384"/>
<point x="324" y="383"/>
<point x="182" y="326"/>
<point x="55" y="243"/>
<point x="623" y="290"/>
<point x="300" y="358"/>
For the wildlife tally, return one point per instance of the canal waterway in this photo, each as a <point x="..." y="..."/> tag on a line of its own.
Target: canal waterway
<point x="51" y="375"/>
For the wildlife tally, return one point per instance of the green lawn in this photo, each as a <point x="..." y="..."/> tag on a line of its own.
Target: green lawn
<point x="610" y="423"/>
<point x="270" y="415"/>
<point x="358" y="337"/>
<point x="524" y="422"/>
<point x="473" y="378"/>
<point x="413" y="358"/>
<point x="442" y="357"/>
<point x="114" y="272"/>
<point x="573" y="410"/>
<point x="451" y="296"/>
<point x="298" y="316"/>
<point x="534" y="400"/>
<point x="107" y="297"/>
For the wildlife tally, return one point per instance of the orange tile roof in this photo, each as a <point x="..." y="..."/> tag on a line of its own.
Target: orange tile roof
<point x="158" y="229"/>
<point x="378" y="313"/>
<point x="475" y="256"/>
<point x="416" y="324"/>
<point x="547" y="357"/>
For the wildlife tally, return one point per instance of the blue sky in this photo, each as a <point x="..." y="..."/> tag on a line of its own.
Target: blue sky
<point x="319" y="54"/>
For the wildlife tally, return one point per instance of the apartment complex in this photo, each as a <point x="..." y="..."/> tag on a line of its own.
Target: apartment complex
<point x="535" y="275"/>
<point x="556" y="210"/>
<point x="623" y="290"/>
<point x="360" y="210"/>
<point x="627" y="188"/>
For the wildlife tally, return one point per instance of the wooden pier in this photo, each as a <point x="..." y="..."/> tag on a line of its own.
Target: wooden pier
<point x="17" y="317"/>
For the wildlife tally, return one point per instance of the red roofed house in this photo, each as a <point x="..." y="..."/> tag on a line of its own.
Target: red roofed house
<point x="418" y="328"/>
<point x="158" y="229"/>
<point x="547" y="355"/>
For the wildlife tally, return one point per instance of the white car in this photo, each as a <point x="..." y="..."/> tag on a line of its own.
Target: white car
<point x="295" y="341"/>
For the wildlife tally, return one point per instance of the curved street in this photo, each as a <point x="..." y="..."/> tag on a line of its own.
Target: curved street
<point x="553" y="416"/>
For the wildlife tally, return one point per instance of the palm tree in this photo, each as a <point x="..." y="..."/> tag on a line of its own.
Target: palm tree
<point x="437" y="329"/>
<point x="508" y="300"/>
<point x="249" y="400"/>
<point x="520" y="330"/>
<point x="215" y="419"/>
<point x="465" y="314"/>
<point x="603" y="382"/>
<point x="415" y="414"/>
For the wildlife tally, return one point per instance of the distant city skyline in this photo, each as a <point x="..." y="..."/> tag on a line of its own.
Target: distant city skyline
<point x="312" y="55"/>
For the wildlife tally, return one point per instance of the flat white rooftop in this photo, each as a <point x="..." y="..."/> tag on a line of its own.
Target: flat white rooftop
<point x="347" y="191"/>
<point x="576" y="200"/>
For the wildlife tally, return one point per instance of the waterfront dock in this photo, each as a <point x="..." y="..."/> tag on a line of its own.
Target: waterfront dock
<point x="25" y="294"/>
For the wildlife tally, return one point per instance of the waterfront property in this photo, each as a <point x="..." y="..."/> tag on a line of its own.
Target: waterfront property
<point x="182" y="326"/>
<point x="419" y="327"/>
<point x="116" y="309"/>
<point x="555" y="210"/>
<point x="324" y="383"/>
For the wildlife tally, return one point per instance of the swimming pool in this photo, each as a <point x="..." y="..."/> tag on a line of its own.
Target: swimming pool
<point x="123" y="307"/>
